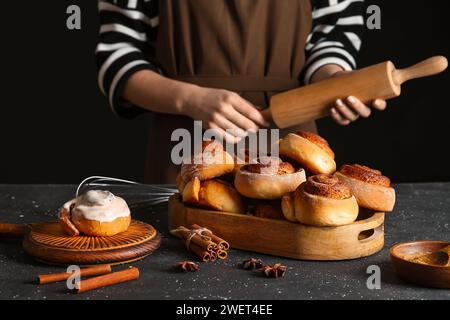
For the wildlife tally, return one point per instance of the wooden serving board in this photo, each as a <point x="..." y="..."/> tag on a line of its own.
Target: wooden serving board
<point x="283" y="238"/>
<point x="47" y="242"/>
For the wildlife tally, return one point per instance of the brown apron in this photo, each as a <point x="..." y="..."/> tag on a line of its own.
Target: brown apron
<point x="253" y="47"/>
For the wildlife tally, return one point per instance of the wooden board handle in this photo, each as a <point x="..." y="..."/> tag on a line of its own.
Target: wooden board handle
<point x="375" y="233"/>
<point x="425" y="68"/>
<point x="374" y="228"/>
<point x="446" y="250"/>
<point x="8" y="230"/>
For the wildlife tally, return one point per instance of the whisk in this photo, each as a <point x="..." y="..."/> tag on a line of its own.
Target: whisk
<point x="137" y="195"/>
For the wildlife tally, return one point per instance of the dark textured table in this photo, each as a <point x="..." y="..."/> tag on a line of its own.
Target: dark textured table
<point x="422" y="213"/>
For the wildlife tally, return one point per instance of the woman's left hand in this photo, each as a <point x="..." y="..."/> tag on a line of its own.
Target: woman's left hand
<point x="350" y="109"/>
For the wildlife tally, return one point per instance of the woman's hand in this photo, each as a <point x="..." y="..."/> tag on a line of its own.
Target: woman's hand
<point x="220" y="110"/>
<point x="350" y="109"/>
<point x="223" y="111"/>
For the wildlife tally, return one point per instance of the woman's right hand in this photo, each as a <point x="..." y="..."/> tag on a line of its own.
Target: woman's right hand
<point x="224" y="111"/>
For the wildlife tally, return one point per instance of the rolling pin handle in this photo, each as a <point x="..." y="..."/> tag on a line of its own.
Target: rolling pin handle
<point x="8" y="230"/>
<point x="425" y="68"/>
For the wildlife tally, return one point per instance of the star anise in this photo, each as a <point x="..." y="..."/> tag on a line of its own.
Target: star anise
<point x="252" y="264"/>
<point x="275" y="271"/>
<point x="187" y="266"/>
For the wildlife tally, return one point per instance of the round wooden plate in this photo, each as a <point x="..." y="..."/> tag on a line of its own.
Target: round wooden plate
<point x="48" y="243"/>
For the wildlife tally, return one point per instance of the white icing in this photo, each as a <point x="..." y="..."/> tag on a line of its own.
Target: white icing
<point x="99" y="205"/>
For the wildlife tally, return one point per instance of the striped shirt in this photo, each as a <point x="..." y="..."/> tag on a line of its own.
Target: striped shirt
<point x="128" y="31"/>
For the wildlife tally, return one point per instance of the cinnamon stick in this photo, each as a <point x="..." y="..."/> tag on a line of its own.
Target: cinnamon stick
<point x="185" y="233"/>
<point x="108" y="280"/>
<point x="213" y="255"/>
<point x="222" y="244"/>
<point x="90" y="271"/>
<point x="197" y="245"/>
<point x="203" y="254"/>
<point x="222" y="254"/>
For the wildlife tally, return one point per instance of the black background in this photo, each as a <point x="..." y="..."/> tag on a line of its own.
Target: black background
<point x="56" y="127"/>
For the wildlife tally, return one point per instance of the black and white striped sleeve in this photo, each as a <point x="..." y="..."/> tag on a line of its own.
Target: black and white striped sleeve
<point x="336" y="35"/>
<point x="126" y="44"/>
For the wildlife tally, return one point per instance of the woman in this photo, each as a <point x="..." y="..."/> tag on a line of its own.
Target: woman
<point x="220" y="61"/>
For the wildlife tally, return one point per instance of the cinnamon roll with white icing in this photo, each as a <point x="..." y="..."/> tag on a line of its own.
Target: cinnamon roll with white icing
<point x="95" y="213"/>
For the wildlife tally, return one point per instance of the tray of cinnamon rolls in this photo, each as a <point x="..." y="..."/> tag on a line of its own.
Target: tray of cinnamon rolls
<point x="297" y="205"/>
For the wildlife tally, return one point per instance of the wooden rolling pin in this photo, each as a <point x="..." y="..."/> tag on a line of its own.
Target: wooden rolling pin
<point x="8" y="230"/>
<point x="314" y="101"/>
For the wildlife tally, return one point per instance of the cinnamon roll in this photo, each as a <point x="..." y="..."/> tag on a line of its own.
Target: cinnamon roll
<point x="211" y="163"/>
<point x="321" y="201"/>
<point x="268" y="210"/>
<point x="371" y="189"/>
<point x="213" y="194"/>
<point x="191" y="192"/>
<point x="269" y="179"/>
<point x="95" y="213"/>
<point x="241" y="160"/>
<point x="310" y="150"/>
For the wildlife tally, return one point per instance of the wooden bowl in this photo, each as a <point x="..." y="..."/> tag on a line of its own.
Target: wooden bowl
<point x="435" y="276"/>
<point x="282" y="238"/>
